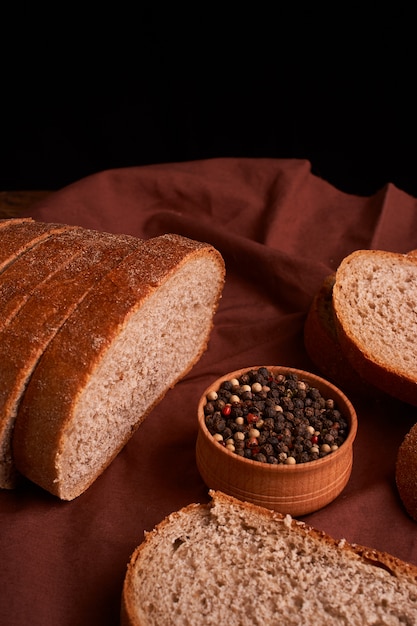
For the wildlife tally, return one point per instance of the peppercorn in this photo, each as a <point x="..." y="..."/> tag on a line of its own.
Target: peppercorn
<point x="274" y="419"/>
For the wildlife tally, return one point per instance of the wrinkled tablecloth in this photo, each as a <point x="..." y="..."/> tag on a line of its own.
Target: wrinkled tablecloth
<point x="281" y="230"/>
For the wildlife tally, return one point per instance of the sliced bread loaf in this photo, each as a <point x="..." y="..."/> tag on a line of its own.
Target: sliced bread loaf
<point x="41" y="290"/>
<point x="130" y="339"/>
<point x="233" y="563"/>
<point x="375" y="306"/>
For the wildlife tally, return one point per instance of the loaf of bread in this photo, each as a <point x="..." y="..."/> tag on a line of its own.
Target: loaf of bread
<point x="375" y="307"/>
<point x="406" y="472"/>
<point x="112" y="350"/>
<point x="233" y="563"/>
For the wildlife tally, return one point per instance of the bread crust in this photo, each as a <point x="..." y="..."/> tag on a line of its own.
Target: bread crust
<point x="37" y="265"/>
<point x="19" y="235"/>
<point x="322" y="344"/>
<point x="406" y="472"/>
<point x="72" y="356"/>
<point x="5" y="222"/>
<point x="378" y="559"/>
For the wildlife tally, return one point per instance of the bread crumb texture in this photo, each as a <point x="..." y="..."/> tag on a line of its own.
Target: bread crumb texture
<point x="231" y="564"/>
<point x="376" y="302"/>
<point x="153" y="350"/>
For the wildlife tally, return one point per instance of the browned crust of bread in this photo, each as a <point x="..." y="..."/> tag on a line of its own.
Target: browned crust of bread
<point x="322" y="344"/>
<point x="383" y="560"/>
<point x="26" y="336"/>
<point x="72" y="355"/>
<point x="38" y="264"/>
<point x="19" y="235"/>
<point x="5" y="222"/>
<point x="383" y="377"/>
<point x="406" y="472"/>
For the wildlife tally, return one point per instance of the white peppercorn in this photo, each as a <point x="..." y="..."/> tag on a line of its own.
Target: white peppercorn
<point x="290" y="460"/>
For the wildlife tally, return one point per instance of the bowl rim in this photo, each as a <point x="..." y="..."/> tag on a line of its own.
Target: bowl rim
<point x="280" y="467"/>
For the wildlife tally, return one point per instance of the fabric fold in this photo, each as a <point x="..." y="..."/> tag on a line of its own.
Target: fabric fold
<point x="281" y="231"/>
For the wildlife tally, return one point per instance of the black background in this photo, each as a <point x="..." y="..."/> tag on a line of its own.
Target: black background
<point x="84" y="92"/>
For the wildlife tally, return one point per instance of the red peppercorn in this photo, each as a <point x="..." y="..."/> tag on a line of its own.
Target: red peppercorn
<point x="251" y="418"/>
<point x="227" y="409"/>
<point x="314" y="439"/>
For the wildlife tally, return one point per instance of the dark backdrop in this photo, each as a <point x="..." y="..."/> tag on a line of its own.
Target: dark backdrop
<point x="159" y="85"/>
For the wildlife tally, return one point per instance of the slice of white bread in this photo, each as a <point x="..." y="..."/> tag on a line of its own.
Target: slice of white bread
<point x="375" y="306"/>
<point x="41" y="290"/>
<point x="233" y="563"/>
<point x="140" y="330"/>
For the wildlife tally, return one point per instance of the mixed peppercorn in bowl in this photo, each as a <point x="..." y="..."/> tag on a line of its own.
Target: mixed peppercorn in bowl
<point x="276" y="436"/>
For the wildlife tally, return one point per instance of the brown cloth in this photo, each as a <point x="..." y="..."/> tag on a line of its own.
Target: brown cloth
<point x="281" y="230"/>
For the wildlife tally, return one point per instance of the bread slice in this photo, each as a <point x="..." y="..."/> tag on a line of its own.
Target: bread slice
<point x="127" y="343"/>
<point x="234" y="563"/>
<point x="41" y="291"/>
<point x="375" y="306"/>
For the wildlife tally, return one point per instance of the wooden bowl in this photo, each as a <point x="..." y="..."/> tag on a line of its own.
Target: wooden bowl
<point x="294" y="489"/>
